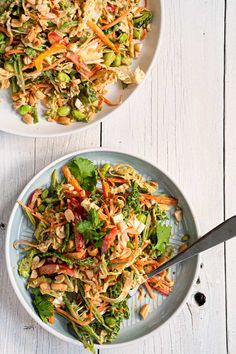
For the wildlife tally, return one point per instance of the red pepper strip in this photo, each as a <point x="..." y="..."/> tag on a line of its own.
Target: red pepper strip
<point x="79" y="241"/>
<point x="111" y="8"/>
<point x="54" y="37"/>
<point x="109" y="239"/>
<point x="105" y="188"/>
<point x="75" y="58"/>
<point x="33" y="198"/>
<point x="49" y="269"/>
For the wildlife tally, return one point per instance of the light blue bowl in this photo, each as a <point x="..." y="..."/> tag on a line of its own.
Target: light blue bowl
<point x="162" y="308"/>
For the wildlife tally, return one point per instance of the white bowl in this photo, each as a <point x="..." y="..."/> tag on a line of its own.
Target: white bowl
<point x="162" y="308"/>
<point x="12" y="123"/>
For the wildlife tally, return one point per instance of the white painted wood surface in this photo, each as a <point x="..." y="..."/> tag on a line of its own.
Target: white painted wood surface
<point x="177" y="120"/>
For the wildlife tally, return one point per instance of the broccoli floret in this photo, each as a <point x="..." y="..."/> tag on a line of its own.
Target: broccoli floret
<point x="25" y="263"/>
<point x="143" y="19"/>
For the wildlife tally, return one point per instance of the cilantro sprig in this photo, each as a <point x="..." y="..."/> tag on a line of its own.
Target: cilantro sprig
<point x="91" y="229"/>
<point x="85" y="171"/>
<point x="160" y="237"/>
<point x="42" y="304"/>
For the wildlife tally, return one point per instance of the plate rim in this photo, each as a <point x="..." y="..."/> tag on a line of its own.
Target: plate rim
<point x="10" y="272"/>
<point x="116" y="109"/>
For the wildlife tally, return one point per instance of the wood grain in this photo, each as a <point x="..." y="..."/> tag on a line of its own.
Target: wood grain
<point x="176" y="120"/>
<point x="230" y="167"/>
<point x="172" y="121"/>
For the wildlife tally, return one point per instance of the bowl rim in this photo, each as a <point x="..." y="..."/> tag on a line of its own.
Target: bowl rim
<point x="20" y="297"/>
<point x="102" y="119"/>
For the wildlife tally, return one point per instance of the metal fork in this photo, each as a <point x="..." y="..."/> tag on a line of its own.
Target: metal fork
<point x="219" y="234"/>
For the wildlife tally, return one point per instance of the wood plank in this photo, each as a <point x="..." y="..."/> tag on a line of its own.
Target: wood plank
<point x="18" y="156"/>
<point x="230" y="168"/>
<point x="177" y="120"/>
<point x="48" y="150"/>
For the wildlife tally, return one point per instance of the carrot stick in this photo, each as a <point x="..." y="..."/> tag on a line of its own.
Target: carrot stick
<point x="102" y="36"/>
<point x="116" y="180"/>
<point x="149" y="290"/>
<point x="14" y="51"/>
<point x="49" y="66"/>
<point x="51" y="319"/>
<point x="160" y="199"/>
<point x="118" y="19"/>
<point x="71" y="179"/>
<point x="84" y="323"/>
<point x="28" y="66"/>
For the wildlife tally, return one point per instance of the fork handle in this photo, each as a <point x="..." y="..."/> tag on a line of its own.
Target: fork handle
<point x="219" y="234"/>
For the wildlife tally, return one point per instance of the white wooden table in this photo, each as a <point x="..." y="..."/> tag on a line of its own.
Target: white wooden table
<point x="184" y="119"/>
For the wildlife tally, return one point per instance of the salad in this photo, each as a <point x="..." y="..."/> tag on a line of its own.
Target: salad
<point x="64" y="54"/>
<point x="97" y="232"/>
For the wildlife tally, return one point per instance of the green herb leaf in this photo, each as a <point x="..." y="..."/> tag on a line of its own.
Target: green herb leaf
<point x="91" y="228"/>
<point x="85" y="171"/>
<point x="161" y="237"/>
<point x="132" y="202"/>
<point x="87" y="94"/>
<point x="42" y="304"/>
<point x="68" y="261"/>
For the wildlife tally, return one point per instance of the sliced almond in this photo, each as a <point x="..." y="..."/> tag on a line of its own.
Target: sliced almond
<point x="179" y="214"/>
<point x="60" y="232"/>
<point x="45" y="286"/>
<point x="28" y="119"/>
<point x="64" y="120"/>
<point x="58" y="287"/>
<point x="69" y="215"/>
<point x="34" y="274"/>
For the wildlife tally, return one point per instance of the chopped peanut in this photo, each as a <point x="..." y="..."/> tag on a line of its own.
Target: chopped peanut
<point x="144" y="311"/>
<point x="58" y="287"/>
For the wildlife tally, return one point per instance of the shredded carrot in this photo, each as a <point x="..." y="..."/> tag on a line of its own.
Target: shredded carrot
<point x="59" y="101"/>
<point x="53" y="65"/>
<point x="106" y="211"/>
<point x="51" y="319"/>
<point x="101" y="215"/>
<point x="24" y="242"/>
<point x="149" y="290"/>
<point x="102" y="36"/>
<point x="145" y="245"/>
<point x="144" y="34"/>
<point x="143" y="263"/>
<point x="84" y="323"/>
<point x="28" y="66"/>
<point x="95" y="69"/>
<point x="14" y="51"/>
<point x="38" y="216"/>
<point x="53" y="227"/>
<point x="42" y="85"/>
<point x="116" y="180"/>
<point x="160" y="199"/>
<point x="112" y="104"/>
<point x="117" y="20"/>
<point x="54" y="49"/>
<point x="103" y="307"/>
<point x="71" y="179"/>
